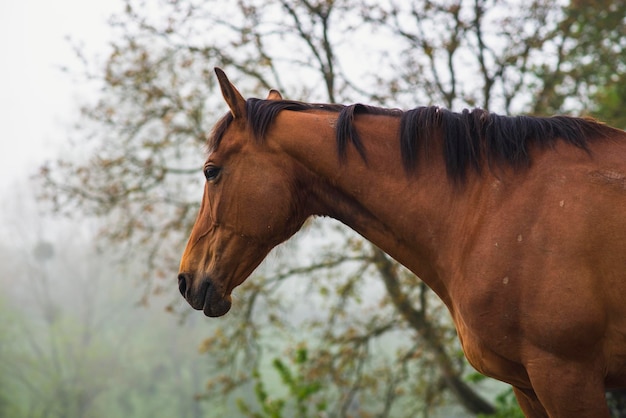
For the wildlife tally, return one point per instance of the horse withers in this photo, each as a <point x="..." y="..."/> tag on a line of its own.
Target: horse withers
<point x="517" y="223"/>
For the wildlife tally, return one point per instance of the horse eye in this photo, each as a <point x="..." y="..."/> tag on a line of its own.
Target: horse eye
<point x="211" y="172"/>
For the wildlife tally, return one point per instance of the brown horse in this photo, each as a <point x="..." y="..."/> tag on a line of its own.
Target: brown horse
<point x="517" y="223"/>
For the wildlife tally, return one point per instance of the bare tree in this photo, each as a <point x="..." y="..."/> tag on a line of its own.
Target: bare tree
<point x="158" y="101"/>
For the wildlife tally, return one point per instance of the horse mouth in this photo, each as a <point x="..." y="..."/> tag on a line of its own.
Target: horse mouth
<point x="207" y="298"/>
<point x="215" y="304"/>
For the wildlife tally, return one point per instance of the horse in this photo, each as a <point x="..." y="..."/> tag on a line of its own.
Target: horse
<point x="518" y="224"/>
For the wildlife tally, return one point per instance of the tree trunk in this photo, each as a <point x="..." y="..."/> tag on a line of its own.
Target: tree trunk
<point x="417" y="319"/>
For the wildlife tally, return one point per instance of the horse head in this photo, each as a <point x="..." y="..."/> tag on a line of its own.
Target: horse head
<point x="250" y="204"/>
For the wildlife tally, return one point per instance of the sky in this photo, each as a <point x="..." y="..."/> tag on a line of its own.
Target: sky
<point x="38" y="102"/>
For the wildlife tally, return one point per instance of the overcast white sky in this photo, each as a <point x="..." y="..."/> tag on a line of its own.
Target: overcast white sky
<point x="37" y="101"/>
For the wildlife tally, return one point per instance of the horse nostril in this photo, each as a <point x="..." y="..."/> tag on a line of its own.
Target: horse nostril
<point x="182" y="283"/>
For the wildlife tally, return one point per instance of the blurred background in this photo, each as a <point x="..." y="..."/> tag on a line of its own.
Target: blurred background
<point x="105" y="108"/>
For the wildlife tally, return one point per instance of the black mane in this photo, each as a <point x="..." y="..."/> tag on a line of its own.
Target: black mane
<point x="261" y="114"/>
<point x="470" y="138"/>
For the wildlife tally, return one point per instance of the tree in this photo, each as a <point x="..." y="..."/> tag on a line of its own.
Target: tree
<point x="73" y="342"/>
<point x="599" y="57"/>
<point x="159" y="100"/>
<point x="6" y="333"/>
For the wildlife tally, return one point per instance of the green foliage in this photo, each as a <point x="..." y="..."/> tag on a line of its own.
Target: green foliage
<point x="300" y="391"/>
<point x="505" y="402"/>
<point x="611" y="102"/>
<point x="506" y="406"/>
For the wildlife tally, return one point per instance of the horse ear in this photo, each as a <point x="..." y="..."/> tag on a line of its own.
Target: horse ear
<point x="274" y="95"/>
<point x="234" y="99"/>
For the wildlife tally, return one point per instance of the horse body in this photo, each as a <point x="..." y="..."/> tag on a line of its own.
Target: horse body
<point x="530" y="261"/>
<point x="538" y="293"/>
<point x="527" y="261"/>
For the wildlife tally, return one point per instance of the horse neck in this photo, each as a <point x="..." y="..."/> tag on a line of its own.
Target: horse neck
<point x="402" y="214"/>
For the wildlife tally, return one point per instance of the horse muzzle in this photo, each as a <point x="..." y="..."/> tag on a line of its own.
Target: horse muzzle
<point x="206" y="296"/>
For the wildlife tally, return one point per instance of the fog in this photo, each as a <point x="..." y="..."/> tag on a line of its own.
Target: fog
<point x="78" y="337"/>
